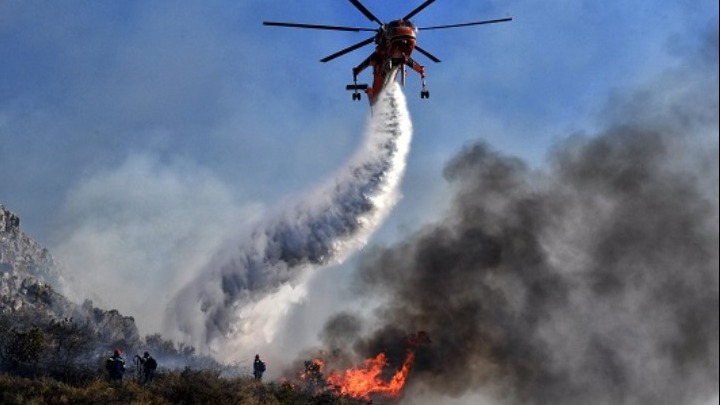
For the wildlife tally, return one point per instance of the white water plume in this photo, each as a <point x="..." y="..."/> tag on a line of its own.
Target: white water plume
<point x="323" y="228"/>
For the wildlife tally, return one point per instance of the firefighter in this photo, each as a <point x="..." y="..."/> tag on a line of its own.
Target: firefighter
<point x="115" y="365"/>
<point x="258" y="367"/>
<point x="149" y="365"/>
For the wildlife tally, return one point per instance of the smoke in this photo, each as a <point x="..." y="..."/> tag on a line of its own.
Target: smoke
<point x="250" y="282"/>
<point x="594" y="281"/>
<point x="134" y="233"/>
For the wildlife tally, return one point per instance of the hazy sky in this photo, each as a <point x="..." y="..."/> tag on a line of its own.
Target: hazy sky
<point x="135" y="135"/>
<point x="203" y="91"/>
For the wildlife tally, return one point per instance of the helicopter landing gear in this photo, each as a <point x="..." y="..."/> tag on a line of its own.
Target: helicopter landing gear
<point x="355" y="87"/>
<point x="424" y="93"/>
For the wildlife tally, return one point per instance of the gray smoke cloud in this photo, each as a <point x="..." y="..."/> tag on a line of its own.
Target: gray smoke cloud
<point x="594" y="281"/>
<point x="321" y="228"/>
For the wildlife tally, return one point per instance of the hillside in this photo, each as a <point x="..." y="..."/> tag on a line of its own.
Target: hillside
<point x="30" y="278"/>
<point x="53" y="350"/>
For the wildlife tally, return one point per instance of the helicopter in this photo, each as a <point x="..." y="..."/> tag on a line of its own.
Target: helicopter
<point x="394" y="42"/>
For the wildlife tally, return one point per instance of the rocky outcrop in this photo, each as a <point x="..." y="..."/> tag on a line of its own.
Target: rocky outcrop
<point x="29" y="276"/>
<point x="21" y="254"/>
<point x="8" y="220"/>
<point x="110" y="325"/>
<point x="27" y="270"/>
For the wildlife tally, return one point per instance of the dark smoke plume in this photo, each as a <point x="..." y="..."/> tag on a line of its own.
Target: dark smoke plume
<point x="592" y="282"/>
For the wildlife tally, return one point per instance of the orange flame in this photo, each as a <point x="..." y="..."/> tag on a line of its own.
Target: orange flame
<point x="312" y="366"/>
<point x="362" y="382"/>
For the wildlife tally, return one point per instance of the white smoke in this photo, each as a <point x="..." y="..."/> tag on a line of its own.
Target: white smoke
<point x="249" y="285"/>
<point x="133" y="234"/>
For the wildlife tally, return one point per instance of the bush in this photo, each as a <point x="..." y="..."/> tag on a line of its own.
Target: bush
<point x="189" y="387"/>
<point x="61" y="362"/>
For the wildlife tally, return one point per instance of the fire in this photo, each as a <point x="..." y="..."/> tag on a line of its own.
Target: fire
<point x="313" y="369"/>
<point x="367" y="380"/>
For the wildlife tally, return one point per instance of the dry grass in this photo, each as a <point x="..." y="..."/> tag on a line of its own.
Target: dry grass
<point x="185" y="388"/>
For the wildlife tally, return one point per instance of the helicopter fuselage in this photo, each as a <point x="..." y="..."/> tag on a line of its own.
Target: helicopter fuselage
<point x="395" y="42"/>
<point x="398" y="38"/>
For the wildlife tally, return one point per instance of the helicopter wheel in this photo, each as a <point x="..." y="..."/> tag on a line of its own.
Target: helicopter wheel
<point x="425" y="94"/>
<point x="356" y="96"/>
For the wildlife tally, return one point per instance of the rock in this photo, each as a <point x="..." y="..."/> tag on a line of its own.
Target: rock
<point x="29" y="277"/>
<point x="8" y="220"/>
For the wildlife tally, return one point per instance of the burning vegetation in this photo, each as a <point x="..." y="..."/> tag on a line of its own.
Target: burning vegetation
<point x="374" y="378"/>
<point x="367" y="380"/>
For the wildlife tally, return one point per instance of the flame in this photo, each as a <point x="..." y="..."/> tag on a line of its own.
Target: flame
<point x="313" y="368"/>
<point x="362" y="382"/>
<point x="365" y="381"/>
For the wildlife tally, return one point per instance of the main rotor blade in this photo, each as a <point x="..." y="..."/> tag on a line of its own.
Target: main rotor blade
<point x="418" y="9"/>
<point x="437" y="27"/>
<point x="365" y="11"/>
<point x="348" y="49"/>
<point x="317" y="26"/>
<point x="428" y="54"/>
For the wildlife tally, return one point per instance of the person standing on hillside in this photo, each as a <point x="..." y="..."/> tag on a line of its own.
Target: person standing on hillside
<point x="115" y="365"/>
<point x="149" y="365"/>
<point x="258" y="367"/>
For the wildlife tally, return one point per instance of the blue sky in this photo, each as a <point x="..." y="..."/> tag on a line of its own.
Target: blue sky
<point x="86" y="85"/>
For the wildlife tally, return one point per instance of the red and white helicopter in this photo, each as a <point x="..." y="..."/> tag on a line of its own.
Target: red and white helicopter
<point x="394" y="44"/>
